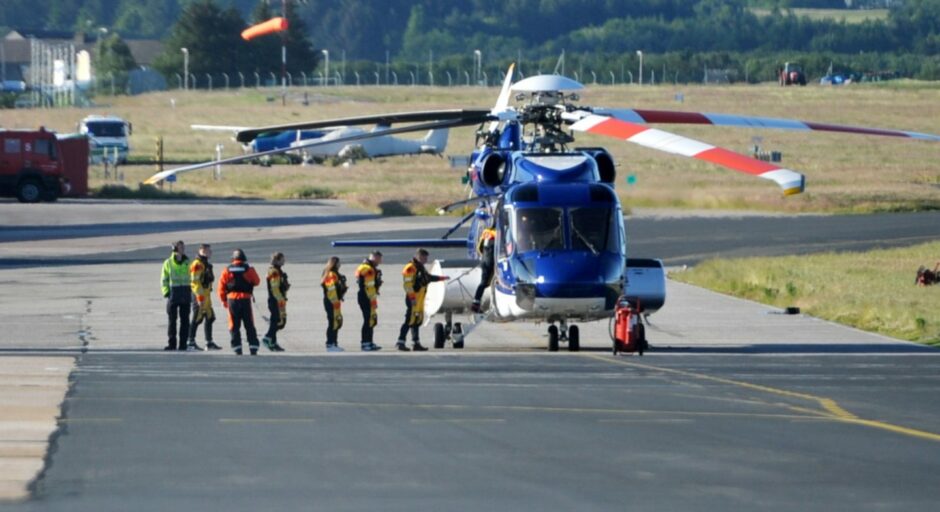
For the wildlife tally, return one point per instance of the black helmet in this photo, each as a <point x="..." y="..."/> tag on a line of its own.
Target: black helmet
<point x="239" y="254"/>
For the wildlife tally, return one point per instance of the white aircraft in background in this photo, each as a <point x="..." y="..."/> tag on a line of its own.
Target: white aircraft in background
<point x="433" y="143"/>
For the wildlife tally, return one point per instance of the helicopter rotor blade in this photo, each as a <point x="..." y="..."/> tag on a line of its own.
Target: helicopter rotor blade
<point x="501" y="110"/>
<point x="478" y="116"/>
<point x="160" y="176"/>
<point x="732" y="120"/>
<point x="790" y="181"/>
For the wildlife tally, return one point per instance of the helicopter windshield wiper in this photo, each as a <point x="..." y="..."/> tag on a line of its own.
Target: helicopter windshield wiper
<point x="585" y="240"/>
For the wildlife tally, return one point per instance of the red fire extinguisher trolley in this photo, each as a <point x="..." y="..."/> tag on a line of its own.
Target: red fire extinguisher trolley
<point x="629" y="332"/>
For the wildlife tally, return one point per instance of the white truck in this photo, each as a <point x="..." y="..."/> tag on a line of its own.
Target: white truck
<point x="107" y="138"/>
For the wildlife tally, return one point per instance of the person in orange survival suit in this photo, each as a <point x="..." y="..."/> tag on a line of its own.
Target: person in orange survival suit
<point x="202" y="276"/>
<point x="236" y="287"/>
<point x="369" y="278"/>
<point x="415" y="279"/>
<point x="277" y="300"/>
<point x="334" y="291"/>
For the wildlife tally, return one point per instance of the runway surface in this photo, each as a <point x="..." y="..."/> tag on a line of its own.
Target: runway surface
<point x="497" y="432"/>
<point x="738" y="408"/>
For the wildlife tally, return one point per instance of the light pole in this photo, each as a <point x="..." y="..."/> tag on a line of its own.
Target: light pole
<point x="478" y="58"/>
<point x="640" y="53"/>
<point x="326" y="69"/>
<point x="185" y="68"/>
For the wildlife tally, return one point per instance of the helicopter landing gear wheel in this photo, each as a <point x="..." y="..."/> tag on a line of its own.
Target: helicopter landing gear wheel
<point x="574" y="339"/>
<point x="458" y="335"/>
<point x="553" y="338"/>
<point x="641" y="344"/>
<point x="440" y="336"/>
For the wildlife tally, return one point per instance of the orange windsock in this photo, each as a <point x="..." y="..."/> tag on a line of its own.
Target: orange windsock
<point x="262" y="29"/>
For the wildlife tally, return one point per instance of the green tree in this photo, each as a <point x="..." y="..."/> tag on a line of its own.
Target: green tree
<point x="113" y="60"/>
<point x="212" y="37"/>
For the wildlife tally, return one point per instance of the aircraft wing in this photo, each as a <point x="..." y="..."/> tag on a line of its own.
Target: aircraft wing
<point x="217" y="128"/>
<point x="466" y="116"/>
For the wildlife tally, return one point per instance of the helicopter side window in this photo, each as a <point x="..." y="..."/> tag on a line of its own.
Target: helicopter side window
<point x="594" y="229"/>
<point x="503" y="241"/>
<point x="539" y="229"/>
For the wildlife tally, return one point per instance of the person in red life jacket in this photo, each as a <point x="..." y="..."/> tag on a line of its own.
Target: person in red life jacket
<point x="334" y="291"/>
<point x="369" y="278"/>
<point x="415" y="279"/>
<point x="277" y="301"/>
<point x="175" y="285"/>
<point x="236" y="288"/>
<point x="202" y="276"/>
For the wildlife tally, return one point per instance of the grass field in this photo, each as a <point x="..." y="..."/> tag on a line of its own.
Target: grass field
<point x="873" y="290"/>
<point x="846" y="15"/>
<point x="845" y="173"/>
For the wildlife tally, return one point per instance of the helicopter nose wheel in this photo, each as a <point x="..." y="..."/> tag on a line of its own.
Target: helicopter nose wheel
<point x="574" y="339"/>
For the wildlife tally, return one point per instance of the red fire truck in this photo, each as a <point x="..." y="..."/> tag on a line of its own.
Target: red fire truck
<point x="37" y="166"/>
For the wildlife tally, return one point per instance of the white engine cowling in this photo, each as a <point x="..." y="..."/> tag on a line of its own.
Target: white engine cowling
<point x="456" y="294"/>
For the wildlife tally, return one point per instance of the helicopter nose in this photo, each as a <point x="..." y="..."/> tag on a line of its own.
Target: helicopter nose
<point x="575" y="275"/>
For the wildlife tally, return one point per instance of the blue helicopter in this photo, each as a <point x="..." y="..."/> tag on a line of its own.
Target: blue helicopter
<point x="561" y="245"/>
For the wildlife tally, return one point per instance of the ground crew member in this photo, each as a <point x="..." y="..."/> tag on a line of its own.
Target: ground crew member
<point x="174" y="281"/>
<point x="415" y="279"/>
<point x="486" y="247"/>
<point x="334" y="291"/>
<point x="277" y="301"/>
<point x="369" y="278"/>
<point x="201" y="278"/>
<point x="236" y="287"/>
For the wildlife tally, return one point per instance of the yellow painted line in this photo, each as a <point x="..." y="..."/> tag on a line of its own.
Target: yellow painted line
<point x="710" y="414"/>
<point x="832" y="407"/>
<point x="267" y="420"/>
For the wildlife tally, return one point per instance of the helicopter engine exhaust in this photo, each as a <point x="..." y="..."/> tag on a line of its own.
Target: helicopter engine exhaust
<point x="606" y="168"/>
<point x="493" y="170"/>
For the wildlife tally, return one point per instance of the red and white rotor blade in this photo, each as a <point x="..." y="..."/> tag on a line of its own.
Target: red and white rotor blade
<point x="791" y="182"/>
<point x="674" y="117"/>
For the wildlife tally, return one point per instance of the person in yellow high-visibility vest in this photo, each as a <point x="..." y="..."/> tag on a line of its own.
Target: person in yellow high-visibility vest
<point x="175" y="285"/>
<point x="415" y="280"/>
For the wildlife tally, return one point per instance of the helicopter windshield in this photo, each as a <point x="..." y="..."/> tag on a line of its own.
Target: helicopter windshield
<point x="539" y="229"/>
<point x="593" y="229"/>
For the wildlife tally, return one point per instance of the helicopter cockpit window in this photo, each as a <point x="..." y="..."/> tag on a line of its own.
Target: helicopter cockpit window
<point x="594" y="229"/>
<point x="539" y="229"/>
